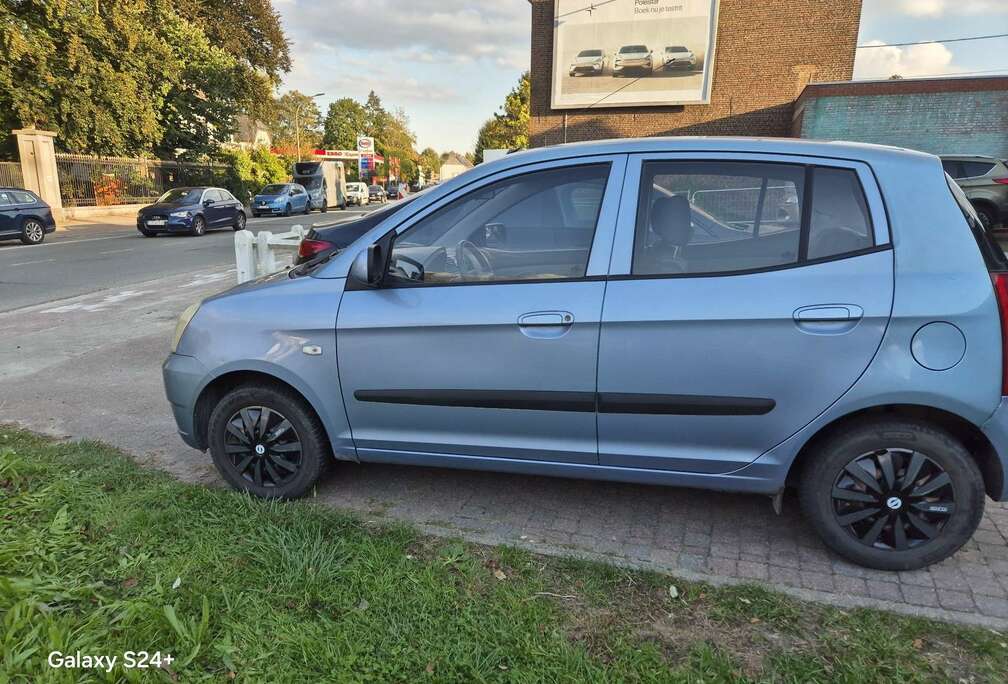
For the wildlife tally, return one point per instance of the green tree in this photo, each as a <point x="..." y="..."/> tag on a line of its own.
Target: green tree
<point x="344" y="121"/>
<point x="248" y="172"/>
<point x="430" y="160"/>
<point x="295" y="112"/>
<point x="509" y="128"/>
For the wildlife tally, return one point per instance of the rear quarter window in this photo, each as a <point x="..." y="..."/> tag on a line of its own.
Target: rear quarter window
<point x="991" y="250"/>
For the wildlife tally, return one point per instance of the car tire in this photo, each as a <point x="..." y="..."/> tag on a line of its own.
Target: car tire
<point x="986" y="216"/>
<point x="32" y="232"/>
<point x="239" y="223"/>
<point x="302" y="452"/>
<point x="198" y="226"/>
<point x="917" y="523"/>
<point x="147" y="233"/>
<point x="287" y="210"/>
<point x="307" y="208"/>
<point x="324" y="209"/>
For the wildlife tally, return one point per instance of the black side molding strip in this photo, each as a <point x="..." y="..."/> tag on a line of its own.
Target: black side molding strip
<point x="502" y="399"/>
<point x="683" y="404"/>
<point x="585" y="402"/>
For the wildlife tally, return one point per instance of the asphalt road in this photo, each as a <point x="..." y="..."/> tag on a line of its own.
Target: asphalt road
<point x="89" y="259"/>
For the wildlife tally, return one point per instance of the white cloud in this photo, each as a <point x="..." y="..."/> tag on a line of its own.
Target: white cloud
<point x="938" y="8"/>
<point x="931" y="59"/>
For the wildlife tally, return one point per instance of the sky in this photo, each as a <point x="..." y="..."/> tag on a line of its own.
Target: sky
<point x="449" y="63"/>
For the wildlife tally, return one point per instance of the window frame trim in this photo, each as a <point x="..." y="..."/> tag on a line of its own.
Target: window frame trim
<point x="621" y="263"/>
<point x="601" y="246"/>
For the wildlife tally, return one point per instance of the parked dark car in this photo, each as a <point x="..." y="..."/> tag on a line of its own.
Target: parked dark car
<point x="376" y="193"/>
<point x="985" y="182"/>
<point x="193" y="211"/>
<point x="395" y="191"/>
<point x="25" y="216"/>
<point x="321" y="242"/>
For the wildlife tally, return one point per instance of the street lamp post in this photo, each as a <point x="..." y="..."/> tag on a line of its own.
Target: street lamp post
<point x="297" y="122"/>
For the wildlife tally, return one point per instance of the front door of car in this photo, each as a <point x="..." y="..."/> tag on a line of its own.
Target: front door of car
<point x="219" y="212"/>
<point x="482" y="340"/>
<point x="746" y="295"/>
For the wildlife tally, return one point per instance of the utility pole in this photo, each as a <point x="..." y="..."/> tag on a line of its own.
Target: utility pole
<point x="297" y="123"/>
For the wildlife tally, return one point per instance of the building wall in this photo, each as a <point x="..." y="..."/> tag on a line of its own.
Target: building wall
<point x="767" y="51"/>
<point x="939" y="121"/>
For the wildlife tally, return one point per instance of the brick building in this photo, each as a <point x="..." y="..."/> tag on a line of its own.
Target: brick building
<point x="962" y="115"/>
<point x="767" y="52"/>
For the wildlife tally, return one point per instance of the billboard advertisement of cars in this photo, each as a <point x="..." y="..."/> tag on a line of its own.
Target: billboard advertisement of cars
<point x="623" y="53"/>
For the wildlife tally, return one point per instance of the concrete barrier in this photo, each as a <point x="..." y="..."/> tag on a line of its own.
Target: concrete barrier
<point x="256" y="255"/>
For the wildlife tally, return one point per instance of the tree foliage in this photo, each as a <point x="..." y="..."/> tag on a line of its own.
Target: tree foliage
<point x="344" y="121"/>
<point x="296" y="112"/>
<point x="509" y="128"/>
<point x="248" y="172"/>
<point x="145" y="76"/>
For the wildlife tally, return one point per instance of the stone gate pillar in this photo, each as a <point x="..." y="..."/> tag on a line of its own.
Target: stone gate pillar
<point x="38" y="166"/>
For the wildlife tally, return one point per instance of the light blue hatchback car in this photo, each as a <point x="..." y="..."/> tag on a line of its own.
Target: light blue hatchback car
<point x="733" y="314"/>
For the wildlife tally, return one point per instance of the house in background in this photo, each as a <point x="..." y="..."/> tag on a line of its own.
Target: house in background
<point x="453" y="165"/>
<point x="250" y="133"/>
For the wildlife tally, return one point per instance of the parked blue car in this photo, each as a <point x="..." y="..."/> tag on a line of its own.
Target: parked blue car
<point x="24" y="216"/>
<point x="735" y="314"/>
<point x="193" y="211"/>
<point x="281" y="198"/>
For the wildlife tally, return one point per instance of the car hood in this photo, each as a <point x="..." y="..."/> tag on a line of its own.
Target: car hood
<point x="632" y="55"/>
<point x="268" y="198"/>
<point x="678" y="55"/>
<point x="162" y="207"/>
<point x="587" y="60"/>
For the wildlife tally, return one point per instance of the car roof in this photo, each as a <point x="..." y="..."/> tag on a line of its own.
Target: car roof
<point x="856" y="151"/>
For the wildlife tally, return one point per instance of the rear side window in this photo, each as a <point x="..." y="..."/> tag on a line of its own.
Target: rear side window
<point x="839" y="223"/>
<point x="22" y="197"/>
<point x="952" y="168"/>
<point x="726" y="217"/>
<point x="6" y="199"/>
<point x="993" y="255"/>
<point x="975" y="169"/>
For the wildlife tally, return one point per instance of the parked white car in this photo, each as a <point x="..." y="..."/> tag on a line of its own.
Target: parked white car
<point x="637" y="57"/>
<point x="679" y="56"/>
<point x="357" y="193"/>
<point x="592" y="62"/>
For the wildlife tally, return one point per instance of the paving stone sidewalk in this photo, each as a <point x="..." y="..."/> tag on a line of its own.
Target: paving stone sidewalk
<point x="95" y="373"/>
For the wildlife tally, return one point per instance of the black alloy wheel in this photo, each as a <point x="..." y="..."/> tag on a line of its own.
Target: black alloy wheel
<point x="263" y="446"/>
<point x="893" y="499"/>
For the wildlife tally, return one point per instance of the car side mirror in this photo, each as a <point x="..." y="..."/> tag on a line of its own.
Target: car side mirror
<point x="207" y="202"/>
<point x="292" y="193"/>
<point x="368" y="267"/>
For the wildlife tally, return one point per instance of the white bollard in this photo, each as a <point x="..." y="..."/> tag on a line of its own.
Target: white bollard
<point x="245" y="255"/>
<point x="265" y="259"/>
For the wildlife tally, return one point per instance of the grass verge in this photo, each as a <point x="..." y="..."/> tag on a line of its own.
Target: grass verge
<point x="100" y="556"/>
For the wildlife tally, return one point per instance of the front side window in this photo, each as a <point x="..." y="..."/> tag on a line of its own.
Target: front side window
<point x="536" y="226"/>
<point x="713" y="216"/>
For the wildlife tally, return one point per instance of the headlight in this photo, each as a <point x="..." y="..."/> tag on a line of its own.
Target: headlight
<point x="181" y="214"/>
<point x="183" y="323"/>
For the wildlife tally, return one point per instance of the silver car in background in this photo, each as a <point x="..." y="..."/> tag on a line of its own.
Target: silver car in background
<point x="591" y="62"/>
<point x="985" y="182"/>
<point x="636" y="57"/>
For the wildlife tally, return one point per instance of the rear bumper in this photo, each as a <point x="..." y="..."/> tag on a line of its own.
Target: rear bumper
<point x="183" y="377"/>
<point x="996" y="430"/>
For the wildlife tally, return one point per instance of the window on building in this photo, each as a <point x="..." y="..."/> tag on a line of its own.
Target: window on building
<point x="717" y="217"/>
<point x="535" y="226"/>
<point x="839" y="221"/>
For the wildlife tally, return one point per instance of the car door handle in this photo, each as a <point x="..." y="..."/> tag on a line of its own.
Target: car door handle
<point x="828" y="313"/>
<point x="541" y="319"/>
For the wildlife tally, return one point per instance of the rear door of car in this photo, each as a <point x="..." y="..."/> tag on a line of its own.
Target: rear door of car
<point x="9" y="225"/>
<point x="746" y="294"/>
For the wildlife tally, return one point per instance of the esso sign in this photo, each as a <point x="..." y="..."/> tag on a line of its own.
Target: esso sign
<point x="365" y="144"/>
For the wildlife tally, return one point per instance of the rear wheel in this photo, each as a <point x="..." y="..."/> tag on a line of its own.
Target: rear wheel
<point x="266" y="441"/>
<point x="307" y="208"/>
<point x="287" y="210"/>
<point x="986" y="216"/>
<point x="198" y="226"/>
<point x="32" y="232"/>
<point x="324" y="208"/>
<point x="239" y="223"/>
<point x="893" y="494"/>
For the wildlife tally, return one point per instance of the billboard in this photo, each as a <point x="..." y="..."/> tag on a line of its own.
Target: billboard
<point x="632" y="53"/>
<point x="365" y="144"/>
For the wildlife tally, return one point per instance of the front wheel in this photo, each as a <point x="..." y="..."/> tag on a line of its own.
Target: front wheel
<point x="198" y="226"/>
<point x="268" y="442"/>
<point x="893" y="494"/>
<point x="32" y="232"/>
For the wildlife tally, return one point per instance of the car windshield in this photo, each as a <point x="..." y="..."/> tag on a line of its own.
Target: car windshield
<point x="273" y="189"/>
<point x="590" y="53"/>
<point x="676" y="48"/>
<point x="311" y="182"/>
<point x="632" y="48"/>
<point x="178" y="195"/>
<point x="375" y="188"/>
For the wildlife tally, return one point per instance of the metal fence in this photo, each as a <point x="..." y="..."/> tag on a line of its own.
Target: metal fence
<point x="87" y="181"/>
<point x="10" y="175"/>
